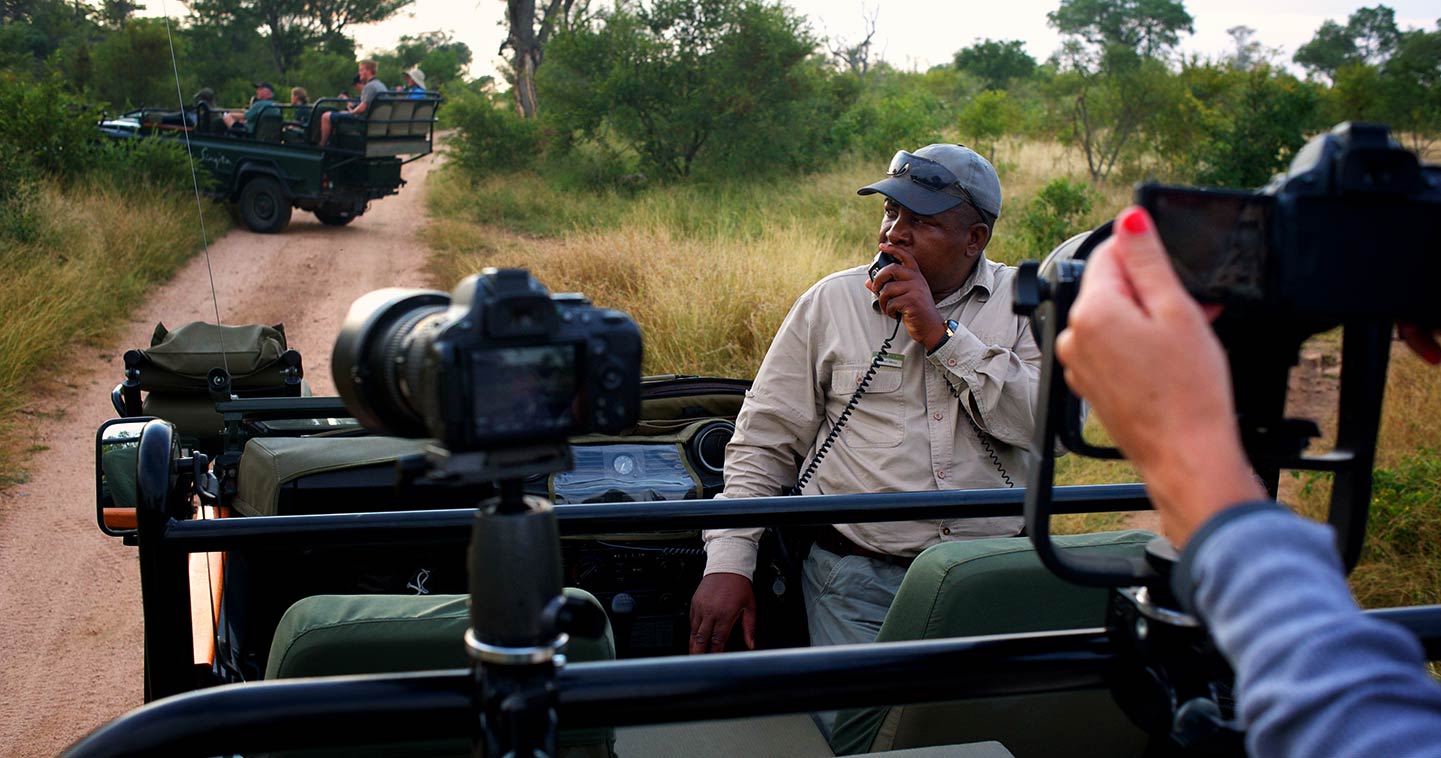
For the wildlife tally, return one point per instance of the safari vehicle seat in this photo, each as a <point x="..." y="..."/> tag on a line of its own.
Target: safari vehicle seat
<point x="289" y="476"/>
<point x="998" y="586"/>
<point x="172" y="374"/>
<point x="268" y="125"/>
<point x="391" y="125"/>
<point x="332" y="635"/>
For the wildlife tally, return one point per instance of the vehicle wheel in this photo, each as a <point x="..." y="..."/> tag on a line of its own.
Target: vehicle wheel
<point x="264" y="205"/>
<point x="335" y="216"/>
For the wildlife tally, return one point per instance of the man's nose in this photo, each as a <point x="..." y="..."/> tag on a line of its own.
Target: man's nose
<point x="899" y="232"/>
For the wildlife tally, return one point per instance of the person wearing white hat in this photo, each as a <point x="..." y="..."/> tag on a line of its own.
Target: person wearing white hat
<point x="415" y="82"/>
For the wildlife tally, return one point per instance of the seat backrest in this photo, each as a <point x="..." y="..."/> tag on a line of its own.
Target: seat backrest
<point x="268" y="124"/>
<point x="268" y="464"/>
<point x="333" y="635"/>
<point x="401" y="113"/>
<point x="377" y="117"/>
<point x="420" y="120"/>
<point x="998" y="586"/>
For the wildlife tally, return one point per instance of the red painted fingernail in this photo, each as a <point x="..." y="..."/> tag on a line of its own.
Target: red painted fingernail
<point x="1135" y="221"/>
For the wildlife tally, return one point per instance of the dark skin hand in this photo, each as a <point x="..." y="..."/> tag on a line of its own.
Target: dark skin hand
<point x="935" y="255"/>
<point x="720" y="600"/>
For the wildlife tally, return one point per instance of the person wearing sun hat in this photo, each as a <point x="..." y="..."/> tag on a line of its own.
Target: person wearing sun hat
<point x="958" y="380"/>
<point x="415" y="82"/>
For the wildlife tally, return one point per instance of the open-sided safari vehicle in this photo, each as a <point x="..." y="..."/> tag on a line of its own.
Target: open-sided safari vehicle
<point x="279" y="165"/>
<point x="985" y="651"/>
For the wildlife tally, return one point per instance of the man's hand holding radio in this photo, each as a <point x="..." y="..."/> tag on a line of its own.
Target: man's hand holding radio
<point x="905" y="294"/>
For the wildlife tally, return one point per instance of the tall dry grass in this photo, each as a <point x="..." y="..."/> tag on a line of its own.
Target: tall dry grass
<point x="97" y="250"/>
<point x="709" y="272"/>
<point x="1401" y="562"/>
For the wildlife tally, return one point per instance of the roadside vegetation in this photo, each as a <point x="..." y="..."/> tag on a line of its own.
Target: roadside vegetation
<point x="695" y="165"/>
<point x="86" y="227"/>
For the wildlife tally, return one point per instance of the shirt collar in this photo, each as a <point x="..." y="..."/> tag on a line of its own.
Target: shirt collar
<point x="982" y="277"/>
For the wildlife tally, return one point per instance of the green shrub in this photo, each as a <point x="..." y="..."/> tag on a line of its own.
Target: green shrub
<point x="158" y="162"/>
<point x="877" y="129"/>
<point x="49" y="129"/>
<point x="491" y="138"/>
<point x="1057" y="212"/>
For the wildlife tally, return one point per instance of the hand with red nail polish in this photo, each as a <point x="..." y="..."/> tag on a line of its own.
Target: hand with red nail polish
<point x="1141" y="350"/>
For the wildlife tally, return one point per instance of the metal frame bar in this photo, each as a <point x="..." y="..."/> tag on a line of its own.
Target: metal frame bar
<point x="365" y="710"/>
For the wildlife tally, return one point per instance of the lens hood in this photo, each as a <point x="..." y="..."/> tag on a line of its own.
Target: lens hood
<point x="364" y="362"/>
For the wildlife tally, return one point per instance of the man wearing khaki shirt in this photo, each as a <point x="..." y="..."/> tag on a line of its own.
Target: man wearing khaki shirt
<point x="950" y="406"/>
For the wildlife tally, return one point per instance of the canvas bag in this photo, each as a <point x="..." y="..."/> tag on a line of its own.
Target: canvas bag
<point x="179" y="360"/>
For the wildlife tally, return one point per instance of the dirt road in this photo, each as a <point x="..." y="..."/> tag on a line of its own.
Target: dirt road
<point x="70" y="626"/>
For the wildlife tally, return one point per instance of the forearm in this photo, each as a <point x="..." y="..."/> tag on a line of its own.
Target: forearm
<point x="1314" y="676"/>
<point x="998" y="385"/>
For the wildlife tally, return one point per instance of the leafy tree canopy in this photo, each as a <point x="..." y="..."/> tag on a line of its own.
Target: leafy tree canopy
<point x="996" y="63"/>
<point x="1147" y="27"/>
<point x="685" y="82"/>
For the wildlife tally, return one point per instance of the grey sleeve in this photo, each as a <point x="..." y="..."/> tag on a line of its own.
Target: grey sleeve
<point x="1314" y="675"/>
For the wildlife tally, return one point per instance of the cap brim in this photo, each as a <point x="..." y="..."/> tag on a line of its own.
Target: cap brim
<point x="915" y="198"/>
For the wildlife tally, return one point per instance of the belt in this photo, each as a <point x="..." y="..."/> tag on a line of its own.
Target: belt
<point x="832" y="541"/>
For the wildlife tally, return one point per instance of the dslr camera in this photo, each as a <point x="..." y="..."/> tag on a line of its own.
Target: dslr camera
<point x="501" y="362"/>
<point x="1348" y="237"/>
<point x="1351" y="230"/>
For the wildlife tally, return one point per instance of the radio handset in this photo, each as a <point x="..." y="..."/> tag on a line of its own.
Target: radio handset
<point x="883" y="259"/>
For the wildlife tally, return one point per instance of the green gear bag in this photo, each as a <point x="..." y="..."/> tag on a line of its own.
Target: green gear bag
<point x="178" y="361"/>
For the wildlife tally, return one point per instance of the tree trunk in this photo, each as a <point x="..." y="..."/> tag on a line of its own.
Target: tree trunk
<point x="525" y="54"/>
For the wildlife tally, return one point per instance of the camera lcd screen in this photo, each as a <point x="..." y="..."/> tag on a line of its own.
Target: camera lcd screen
<point x="526" y="391"/>
<point x="1217" y="240"/>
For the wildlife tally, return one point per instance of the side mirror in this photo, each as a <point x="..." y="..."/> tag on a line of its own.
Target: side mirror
<point x="117" y="448"/>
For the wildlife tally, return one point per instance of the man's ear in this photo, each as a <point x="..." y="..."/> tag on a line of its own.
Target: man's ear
<point x="977" y="237"/>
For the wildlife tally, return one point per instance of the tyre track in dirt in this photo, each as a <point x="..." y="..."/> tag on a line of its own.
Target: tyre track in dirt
<point x="70" y="622"/>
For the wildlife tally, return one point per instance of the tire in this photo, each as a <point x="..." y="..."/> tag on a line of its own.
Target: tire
<point x="335" y="216"/>
<point x="264" y="206"/>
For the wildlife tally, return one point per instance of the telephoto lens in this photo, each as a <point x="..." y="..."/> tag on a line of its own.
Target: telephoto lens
<point x="379" y="357"/>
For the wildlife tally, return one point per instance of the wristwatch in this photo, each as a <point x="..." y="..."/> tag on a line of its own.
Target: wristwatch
<point x="951" y="326"/>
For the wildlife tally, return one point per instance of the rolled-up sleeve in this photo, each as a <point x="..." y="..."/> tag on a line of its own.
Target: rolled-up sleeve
<point x="998" y="381"/>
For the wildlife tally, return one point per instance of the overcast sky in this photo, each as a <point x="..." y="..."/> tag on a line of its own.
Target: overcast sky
<point x="918" y="34"/>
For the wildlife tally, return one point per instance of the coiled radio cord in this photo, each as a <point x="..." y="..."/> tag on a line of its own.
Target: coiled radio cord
<point x="846" y="413"/>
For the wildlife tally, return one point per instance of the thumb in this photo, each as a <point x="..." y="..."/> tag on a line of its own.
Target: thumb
<point x="1144" y="260"/>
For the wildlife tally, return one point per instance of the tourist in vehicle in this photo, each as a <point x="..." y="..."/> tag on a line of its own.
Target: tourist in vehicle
<point x="300" y="104"/>
<point x="415" y="82"/>
<point x="203" y="106"/>
<point x="264" y="98"/>
<point x="371" y="86"/>
<point x="1314" y="676"/>
<point x="950" y="403"/>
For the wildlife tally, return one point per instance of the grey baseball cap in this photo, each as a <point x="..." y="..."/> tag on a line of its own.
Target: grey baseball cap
<point x="937" y="178"/>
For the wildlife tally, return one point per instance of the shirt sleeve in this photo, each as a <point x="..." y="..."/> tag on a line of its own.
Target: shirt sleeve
<point x="998" y="383"/>
<point x="776" y="427"/>
<point x="1314" y="675"/>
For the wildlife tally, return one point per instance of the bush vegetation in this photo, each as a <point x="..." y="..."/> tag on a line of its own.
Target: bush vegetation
<point x="86" y="227"/>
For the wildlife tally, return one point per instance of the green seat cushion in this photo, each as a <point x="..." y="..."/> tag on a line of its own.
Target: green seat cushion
<point x="268" y="463"/>
<point x="997" y="586"/>
<point x="332" y="635"/>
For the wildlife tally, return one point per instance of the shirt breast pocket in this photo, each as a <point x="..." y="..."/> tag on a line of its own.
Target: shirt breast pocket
<point x="879" y="418"/>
